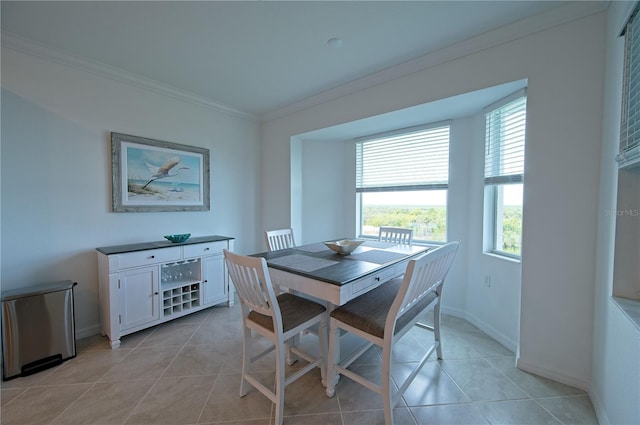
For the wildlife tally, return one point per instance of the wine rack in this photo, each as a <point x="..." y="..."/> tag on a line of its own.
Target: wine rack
<point x="180" y="283"/>
<point x="182" y="298"/>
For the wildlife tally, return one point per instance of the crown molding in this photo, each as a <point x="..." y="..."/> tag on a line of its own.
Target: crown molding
<point x="493" y="38"/>
<point x="30" y="47"/>
<point x="523" y="28"/>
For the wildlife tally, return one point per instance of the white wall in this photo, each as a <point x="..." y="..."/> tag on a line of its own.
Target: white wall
<point x="615" y="386"/>
<point x="56" y="195"/>
<point x="493" y="306"/>
<point x="564" y="67"/>
<point x="328" y="177"/>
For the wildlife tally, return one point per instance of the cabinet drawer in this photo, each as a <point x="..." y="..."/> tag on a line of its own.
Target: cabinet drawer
<point x="373" y="281"/>
<point x="200" y="249"/>
<point x="150" y="256"/>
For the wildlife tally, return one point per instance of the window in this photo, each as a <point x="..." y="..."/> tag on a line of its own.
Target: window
<point x="402" y="181"/>
<point x="629" y="154"/>
<point x="626" y="272"/>
<point x="504" y="175"/>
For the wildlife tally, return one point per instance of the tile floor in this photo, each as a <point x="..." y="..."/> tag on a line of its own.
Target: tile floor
<point x="187" y="372"/>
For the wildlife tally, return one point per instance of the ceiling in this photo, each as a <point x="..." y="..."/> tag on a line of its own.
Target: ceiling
<point x="255" y="57"/>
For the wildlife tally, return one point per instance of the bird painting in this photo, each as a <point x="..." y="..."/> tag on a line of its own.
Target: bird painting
<point x="164" y="171"/>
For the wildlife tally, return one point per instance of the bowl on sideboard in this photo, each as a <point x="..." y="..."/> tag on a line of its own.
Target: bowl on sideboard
<point x="178" y="238"/>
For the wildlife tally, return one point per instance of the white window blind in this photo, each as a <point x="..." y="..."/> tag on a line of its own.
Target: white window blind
<point x="630" y="116"/>
<point x="409" y="159"/>
<point x="504" y="143"/>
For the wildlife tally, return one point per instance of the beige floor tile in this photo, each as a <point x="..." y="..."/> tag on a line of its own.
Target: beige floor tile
<point x="170" y="335"/>
<point x="9" y="394"/>
<point x="430" y="386"/>
<point x="574" y="410"/>
<point x="187" y="371"/>
<point x="40" y="405"/>
<point x="173" y="401"/>
<point x="264" y="421"/>
<point x="450" y="414"/>
<point x="353" y="396"/>
<point x="215" y="333"/>
<point x="485" y="345"/>
<point x="480" y="381"/>
<point x="455" y="346"/>
<point x="318" y="419"/>
<point x="401" y="416"/>
<point x="523" y="412"/>
<point x="411" y="347"/>
<point x="225" y="403"/>
<point x="536" y="386"/>
<point x="197" y="360"/>
<point x="86" y="367"/>
<point x="307" y="395"/>
<point x="142" y="363"/>
<point x="233" y="364"/>
<point x="108" y="403"/>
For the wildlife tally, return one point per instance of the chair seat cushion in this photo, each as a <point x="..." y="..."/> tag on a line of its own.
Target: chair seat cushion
<point x="295" y="311"/>
<point x="369" y="312"/>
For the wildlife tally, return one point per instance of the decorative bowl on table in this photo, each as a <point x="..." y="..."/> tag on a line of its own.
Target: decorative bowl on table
<point x="178" y="238"/>
<point x="344" y="246"/>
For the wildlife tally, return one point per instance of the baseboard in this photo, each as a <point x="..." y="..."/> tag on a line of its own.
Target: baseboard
<point x="553" y="375"/>
<point x="88" y="331"/>
<point x="596" y="401"/>
<point x="510" y="344"/>
<point x="451" y="311"/>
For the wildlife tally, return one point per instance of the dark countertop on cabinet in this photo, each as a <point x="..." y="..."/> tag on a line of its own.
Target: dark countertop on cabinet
<point x="120" y="249"/>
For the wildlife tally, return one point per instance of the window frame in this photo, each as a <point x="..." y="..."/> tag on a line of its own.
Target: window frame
<point x="629" y="144"/>
<point x="494" y="185"/>
<point x="402" y="187"/>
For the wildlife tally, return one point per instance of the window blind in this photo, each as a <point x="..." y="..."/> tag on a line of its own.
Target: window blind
<point x="630" y="116"/>
<point x="410" y="159"/>
<point x="504" y="143"/>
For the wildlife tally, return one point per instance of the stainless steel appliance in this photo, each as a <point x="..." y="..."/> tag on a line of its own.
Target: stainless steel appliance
<point x="38" y="329"/>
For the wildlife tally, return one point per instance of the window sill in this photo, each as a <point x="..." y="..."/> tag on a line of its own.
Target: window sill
<point x="630" y="308"/>
<point x="502" y="257"/>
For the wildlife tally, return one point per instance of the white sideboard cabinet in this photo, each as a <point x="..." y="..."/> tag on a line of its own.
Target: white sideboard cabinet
<point x="144" y="284"/>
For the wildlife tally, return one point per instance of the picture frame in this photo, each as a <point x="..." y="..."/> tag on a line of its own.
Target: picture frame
<point x="153" y="175"/>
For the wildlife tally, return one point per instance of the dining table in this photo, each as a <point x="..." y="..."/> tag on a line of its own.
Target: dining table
<point x="315" y="270"/>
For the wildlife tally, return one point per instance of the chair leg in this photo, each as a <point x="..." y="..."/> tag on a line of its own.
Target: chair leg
<point x="333" y="357"/>
<point x="246" y="360"/>
<point x="280" y="387"/>
<point x="290" y="357"/>
<point x="386" y="383"/>
<point x="322" y="336"/>
<point x="436" y="329"/>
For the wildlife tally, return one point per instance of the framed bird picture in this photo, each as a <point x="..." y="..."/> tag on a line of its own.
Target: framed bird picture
<point x="154" y="175"/>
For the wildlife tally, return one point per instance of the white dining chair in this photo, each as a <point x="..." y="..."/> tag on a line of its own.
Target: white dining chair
<point x="279" y="239"/>
<point x="384" y="315"/>
<point x="277" y="318"/>
<point x="399" y="235"/>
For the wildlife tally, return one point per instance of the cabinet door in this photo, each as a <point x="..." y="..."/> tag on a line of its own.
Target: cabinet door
<point x="214" y="289"/>
<point x="139" y="297"/>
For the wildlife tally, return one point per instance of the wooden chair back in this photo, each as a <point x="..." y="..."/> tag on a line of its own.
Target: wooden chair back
<point x="423" y="276"/>
<point x="397" y="235"/>
<point x="250" y="276"/>
<point x="279" y="239"/>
